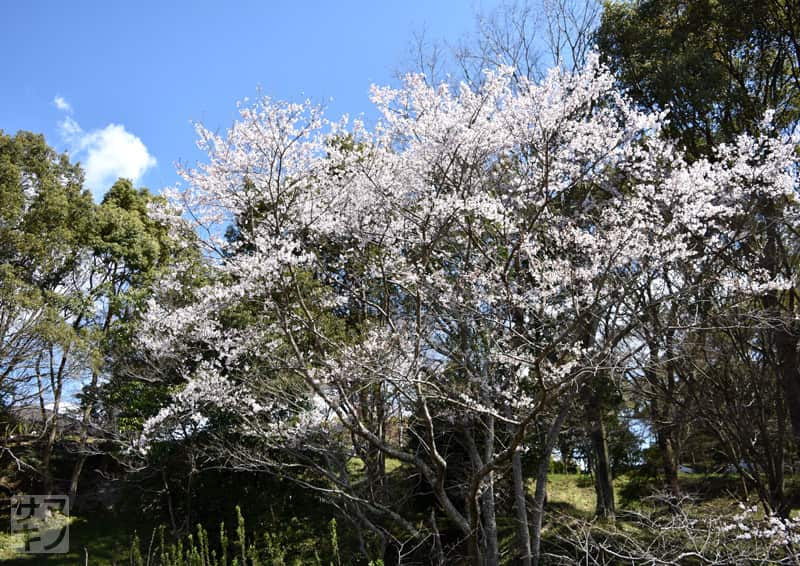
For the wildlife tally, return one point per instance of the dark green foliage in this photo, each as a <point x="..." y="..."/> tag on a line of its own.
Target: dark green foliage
<point x="718" y="65"/>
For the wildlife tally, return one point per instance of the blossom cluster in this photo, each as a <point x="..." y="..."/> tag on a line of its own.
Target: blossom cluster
<point x="474" y="248"/>
<point x="771" y="529"/>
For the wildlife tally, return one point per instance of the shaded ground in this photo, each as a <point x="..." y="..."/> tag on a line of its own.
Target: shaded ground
<point x="107" y="538"/>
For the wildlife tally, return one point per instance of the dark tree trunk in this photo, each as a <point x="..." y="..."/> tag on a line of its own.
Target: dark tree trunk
<point x="785" y="332"/>
<point x="789" y="368"/>
<point x="603" y="484"/>
<point x="662" y="421"/>
<point x="73" y="481"/>
<point x="374" y="457"/>
<point x="47" y="452"/>
<point x="83" y="444"/>
<point x="669" y="461"/>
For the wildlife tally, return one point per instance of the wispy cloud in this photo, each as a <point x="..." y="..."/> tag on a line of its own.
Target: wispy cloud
<point x="62" y="104"/>
<point x="106" y="154"/>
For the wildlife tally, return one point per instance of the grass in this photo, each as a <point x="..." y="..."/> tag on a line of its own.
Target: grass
<point x="11" y="542"/>
<point x="355" y="466"/>
<point x="573" y="494"/>
<point x="106" y="539"/>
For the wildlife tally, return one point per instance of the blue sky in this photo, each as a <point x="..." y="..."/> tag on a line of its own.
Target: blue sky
<point x="118" y="84"/>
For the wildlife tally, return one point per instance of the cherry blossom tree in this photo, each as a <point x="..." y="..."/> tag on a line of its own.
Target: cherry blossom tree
<point x="430" y="290"/>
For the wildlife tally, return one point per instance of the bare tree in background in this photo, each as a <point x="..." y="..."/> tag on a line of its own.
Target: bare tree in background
<point x="527" y="36"/>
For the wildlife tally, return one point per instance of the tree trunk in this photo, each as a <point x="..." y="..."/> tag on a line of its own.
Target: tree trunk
<point x="669" y="461"/>
<point x="785" y="333"/>
<point x="520" y="505"/>
<point x="776" y="471"/>
<point x="47" y="452"/>
<point x="789" y="368"/>
<point x="56" y="382"/>
<point x="492" y="554"/>
<point x="602" y="476"/>
<point x="482" y="537"/>
<point x="474" y="538"/>
<point x="487" y="506"/>
<point x="662" y="420"/>
<point x="73" y="481"/>
<point x="541" y="478"/>
<point x="83" y="443"/>
<point x="438" y="552"/>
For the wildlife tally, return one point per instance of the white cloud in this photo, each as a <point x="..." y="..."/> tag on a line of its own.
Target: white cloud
<point x="62" y="104"/>
<point x="107" y="154"/>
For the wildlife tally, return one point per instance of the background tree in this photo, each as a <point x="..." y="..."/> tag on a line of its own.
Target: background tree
<point x="128" y="250"/>
<point x="46" y="217"/>
<point x="719" y="67"/>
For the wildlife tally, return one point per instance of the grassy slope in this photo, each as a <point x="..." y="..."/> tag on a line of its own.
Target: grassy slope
<point x="574" y="494"/>
<point x="108" y="538"/>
